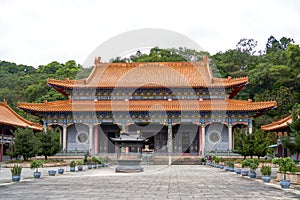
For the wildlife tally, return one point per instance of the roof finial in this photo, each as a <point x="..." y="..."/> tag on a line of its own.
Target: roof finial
<point x="4" y="102"/>
<point x="205" y="58"/>
<point x="97" y="60"/>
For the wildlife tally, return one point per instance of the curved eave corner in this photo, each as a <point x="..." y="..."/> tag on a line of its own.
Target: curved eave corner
<point x="267" y="109"/>
<point x="238" y="88"/>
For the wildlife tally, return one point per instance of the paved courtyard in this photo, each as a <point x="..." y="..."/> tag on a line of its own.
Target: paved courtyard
<point x="157" y="182"/>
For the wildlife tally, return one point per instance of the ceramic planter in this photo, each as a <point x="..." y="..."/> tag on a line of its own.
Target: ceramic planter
<point x="231" y="169"/>
<point x="37" y="174"/>
<point x="51" y="172"/>
<point x="99" y="165"/>
<point x="244" y="172"/>
<point x="79" y="168"/>
<point x="16" y="178"/>
<point x="252" y="174"/>
<point x="61" y="171"/>
<point x="266" y="179"/>
<point x="285" y="183"/>
<point x="72" y="169"/>
<point x="238" y="171"/>
<point x="90" y="167"/>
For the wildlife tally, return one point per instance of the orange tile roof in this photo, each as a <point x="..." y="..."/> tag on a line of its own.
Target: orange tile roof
<point x="9" y="117"/>
<point x="152" y="74"/>
<point x="277" y="125"/>
<point x="147" y="105"/>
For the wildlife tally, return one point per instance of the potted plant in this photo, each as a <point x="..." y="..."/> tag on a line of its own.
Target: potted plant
<point x="94" y="162"/>
<point x="285" y="165"/>
<point x="203" y="161"/>
<point x="35" y="164"/>
<point x="245" y="163"/>
<point x="61" y="170"/>
<point x="79" y="165"/>
<point x="72" y="166"/>
<point x="100" y="162"/>
<point x="238" y="170"/>
<point x="266" y="173"/>
<point x="89" y="163"/>
<point x="214" y="161"/>
<point x="253" y="166"/>
<point x="51" y="172"/>
<point x="16" y="171"/>
<point x="221" y="160"/>
<point x="231" y="166"/>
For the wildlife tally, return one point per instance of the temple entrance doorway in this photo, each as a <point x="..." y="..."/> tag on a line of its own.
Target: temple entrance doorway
<point x="185" y="143"/>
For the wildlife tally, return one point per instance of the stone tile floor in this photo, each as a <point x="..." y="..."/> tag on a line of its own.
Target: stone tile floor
<point x="156" y="182"/>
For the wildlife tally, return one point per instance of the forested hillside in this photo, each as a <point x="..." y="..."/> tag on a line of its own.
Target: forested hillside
<point x="274" y="74"/>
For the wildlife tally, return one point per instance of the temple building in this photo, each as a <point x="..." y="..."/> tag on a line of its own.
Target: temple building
<point x="9" y="121"/>
<point x="178" y="106"/>
<point x="280" y="128"/>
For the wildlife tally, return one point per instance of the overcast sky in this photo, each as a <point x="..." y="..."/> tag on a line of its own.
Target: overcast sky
<point x="38" y="32"/>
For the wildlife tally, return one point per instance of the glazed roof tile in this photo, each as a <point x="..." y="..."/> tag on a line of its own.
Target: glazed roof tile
<point x="150" y="75"/>
<point x="9" y="117"/>
<point x="146" y="105"/>
<point x="278" y="125"/>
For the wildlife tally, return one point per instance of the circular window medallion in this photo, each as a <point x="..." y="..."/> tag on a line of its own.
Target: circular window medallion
<point x="214" y="137"/>
<point x="82" y="137"/>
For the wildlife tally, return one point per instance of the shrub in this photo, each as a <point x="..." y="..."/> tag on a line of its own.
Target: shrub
<point x="230" y="164"/>
<point x="94" y="160"/>
<point x="251" y="163"/>
<point x="72" y="163"/>
<point x="285" y="165"/>
<point x="16" y="170"/>
<point x="266" y="170"/>
<point x="35" y="164"/>
<point x="79" y="162"/>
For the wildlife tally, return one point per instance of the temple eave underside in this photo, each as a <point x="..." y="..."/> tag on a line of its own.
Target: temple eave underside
<point x="196" y="132"/>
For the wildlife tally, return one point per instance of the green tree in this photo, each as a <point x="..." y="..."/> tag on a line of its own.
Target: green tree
<point x="274" y="45"/>
<point x="25" y="144"/>
<point x="292" y="141"/>
<point x="254" y="144"/>
<point x="48" y="143"/>
<point x="293" y="59"/>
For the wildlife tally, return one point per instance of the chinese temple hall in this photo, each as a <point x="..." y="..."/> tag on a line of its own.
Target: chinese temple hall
<point x="178" y="106"/>
<point x="280" y="128"/>
<point x="9" y="121"/>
